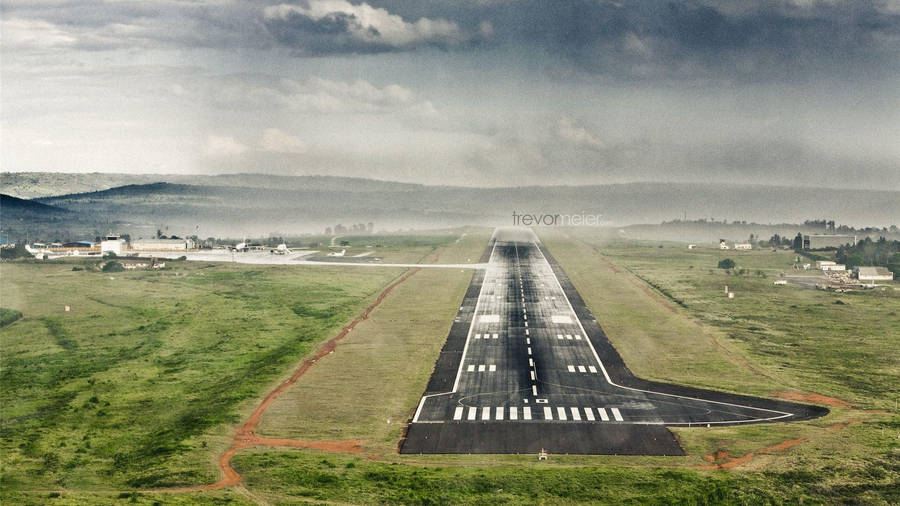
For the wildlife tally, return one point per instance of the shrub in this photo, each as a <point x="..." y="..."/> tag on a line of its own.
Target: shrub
<point x="113" y="266"/>
<point x="726" y="264"/>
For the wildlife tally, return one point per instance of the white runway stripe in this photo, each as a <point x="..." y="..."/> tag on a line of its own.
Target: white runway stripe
<point x="603" y="415"/>
<point x="472" y="412"/>
<point x="513" y="413"/>
<point x="581" y="369"/>
<point x="495" y="336"/>
<point x="532" y="376"/>
<point x="571" y="368"/>
<point x="577" y="337"/>
<point x="576" y="415"/>
<point x="568" y="337"/>
<point x="592" y="369"/>
<point x="526" y="412"/>
<point x="481" y="368"/>
<point x="559" y="336"/>
<point x="548" y="414"/>
<point x="616" y="414"/>
<point x="561" y="412"/>
<point x="485" y="413"/>
<point x="492" y="368"/>
<point x="457" y="414"/>
<point x="498" y="415"/>
<point x="471" y="368"/>
<point x="589" y="414"/>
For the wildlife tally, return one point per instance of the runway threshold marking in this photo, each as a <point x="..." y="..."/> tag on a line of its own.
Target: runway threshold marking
<point x="548" y="413"/>
<point x="616" y="414"/>
<point x="458" y="413"/>
<point x="603" y="415"/>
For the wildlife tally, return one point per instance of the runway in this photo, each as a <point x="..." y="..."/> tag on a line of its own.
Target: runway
<point x="526" y="366"/>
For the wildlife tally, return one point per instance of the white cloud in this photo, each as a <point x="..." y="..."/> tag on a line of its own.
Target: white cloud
<point x="276" y="141"/>
<point x="370" y="25"/>
<point x="27" y="33"/>
<point x="569" y="130"/>
<point x="326" y="96"/>
<point x="217" y="146"/>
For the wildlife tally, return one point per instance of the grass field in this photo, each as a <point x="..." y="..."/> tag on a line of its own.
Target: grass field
<point x="662" y="309"/>
<point x="138" y="385"/>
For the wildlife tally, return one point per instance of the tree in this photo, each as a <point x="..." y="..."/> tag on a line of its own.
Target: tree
<point x="726" y="263"/>
<point x="798" y="242"/>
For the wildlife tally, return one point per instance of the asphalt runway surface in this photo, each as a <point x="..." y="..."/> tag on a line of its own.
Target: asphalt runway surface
<point x="527" y="367"/>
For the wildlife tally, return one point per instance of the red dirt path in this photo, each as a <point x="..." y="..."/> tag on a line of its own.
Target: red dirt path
<point x="814" y="398"/>
<point x="245" y="436"/>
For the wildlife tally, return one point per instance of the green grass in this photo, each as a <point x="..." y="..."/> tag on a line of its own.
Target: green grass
<point x="139" y="384"/>
<point x="283" y="477"/>
<point x="8" y="316"/>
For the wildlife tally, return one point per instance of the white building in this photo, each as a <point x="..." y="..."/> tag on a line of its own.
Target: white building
<point x="162" y="244"/>
<point x="722" y="245"/>
<point x="743" y="245"/>
<point x="112" y="244"/>
<point x="828" y="265"/>
<point x="872" y="274"/>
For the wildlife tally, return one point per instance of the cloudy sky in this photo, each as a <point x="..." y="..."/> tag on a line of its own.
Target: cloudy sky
<point x="465" y="92"/>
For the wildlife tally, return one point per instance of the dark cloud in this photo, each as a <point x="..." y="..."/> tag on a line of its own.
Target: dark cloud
<point x="751" y="40"/>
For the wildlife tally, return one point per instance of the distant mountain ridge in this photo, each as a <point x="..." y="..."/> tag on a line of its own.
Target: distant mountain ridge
<point x="310" y="203"/>
<point x="30" y="185"/>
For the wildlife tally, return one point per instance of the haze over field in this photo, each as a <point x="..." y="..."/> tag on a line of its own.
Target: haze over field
<point x="459" y="92"/>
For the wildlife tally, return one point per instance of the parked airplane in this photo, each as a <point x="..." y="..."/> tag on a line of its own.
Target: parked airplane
<point x="281" y="249"/>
